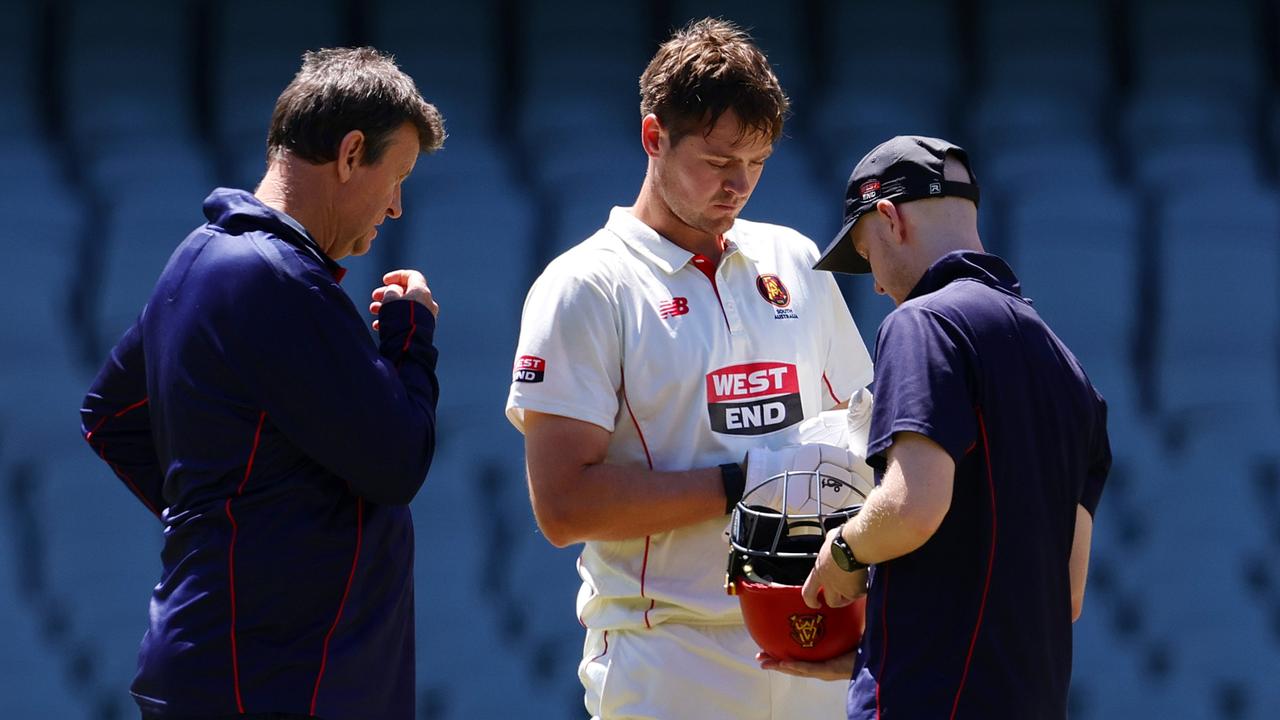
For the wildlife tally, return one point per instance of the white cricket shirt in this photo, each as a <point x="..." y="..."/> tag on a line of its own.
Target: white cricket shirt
<point x="625" y="331"/>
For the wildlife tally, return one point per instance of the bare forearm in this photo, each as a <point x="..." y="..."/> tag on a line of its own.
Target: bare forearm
<point x="614" y="502"/>
<point x="906" y="510"/>
<point x="883" y="530"/>
<point x="1079" y="562"/>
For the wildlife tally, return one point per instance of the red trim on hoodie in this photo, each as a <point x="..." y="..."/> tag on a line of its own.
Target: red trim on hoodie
<point x="231" y="560"/>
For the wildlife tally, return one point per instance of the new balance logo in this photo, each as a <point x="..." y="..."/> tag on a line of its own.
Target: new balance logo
<point x="673" y="307"/>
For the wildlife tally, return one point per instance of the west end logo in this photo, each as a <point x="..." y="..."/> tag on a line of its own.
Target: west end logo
<point x="869" y="189"/>
<point x="754" y="399"/>
<point x="772" y="290"/>
<point x="806" y="630"/>
<point x="530" y="369"/>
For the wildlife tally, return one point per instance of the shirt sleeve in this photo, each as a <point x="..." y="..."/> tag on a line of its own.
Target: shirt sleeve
<point x="922" y="384"/>
<point x="366" y="413"/>
<point x="1100" y="462"/>
<point x="116" y="421"/>
<point x="847" y="367"/>
<point x="568" y="358"/>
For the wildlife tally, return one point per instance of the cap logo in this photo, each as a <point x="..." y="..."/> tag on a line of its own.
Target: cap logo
<point x="869" y="189"/>
<point x="935" y="188"/>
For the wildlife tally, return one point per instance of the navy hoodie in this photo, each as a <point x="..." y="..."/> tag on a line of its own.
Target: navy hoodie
<point x="250" y="410"/>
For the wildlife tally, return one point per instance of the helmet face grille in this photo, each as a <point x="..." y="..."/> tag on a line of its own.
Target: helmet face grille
<point x="776" y="545"/>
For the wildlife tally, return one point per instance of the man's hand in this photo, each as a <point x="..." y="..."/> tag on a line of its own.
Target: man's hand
<point x="403" y="285"/>
<point x="839" y="588"/>
<point x="837" y="668"/>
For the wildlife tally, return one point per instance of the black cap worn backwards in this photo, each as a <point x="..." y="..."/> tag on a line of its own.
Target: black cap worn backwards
<point x="905" y="168"/>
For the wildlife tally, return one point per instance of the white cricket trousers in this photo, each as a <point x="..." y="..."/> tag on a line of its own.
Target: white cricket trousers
<point x="703" y="672"/>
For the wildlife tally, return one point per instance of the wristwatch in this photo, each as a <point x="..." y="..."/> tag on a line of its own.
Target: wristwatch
<point x="843" y="555"/>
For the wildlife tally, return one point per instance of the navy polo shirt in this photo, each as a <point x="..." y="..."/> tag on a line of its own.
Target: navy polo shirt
<point x="251" y="412"/>
<point x="976" y="623"/>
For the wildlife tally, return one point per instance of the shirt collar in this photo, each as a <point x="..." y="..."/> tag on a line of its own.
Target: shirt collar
<point x="237" y="210"/>
<point x="967" y="265"/>
<point x="660" y="251"/>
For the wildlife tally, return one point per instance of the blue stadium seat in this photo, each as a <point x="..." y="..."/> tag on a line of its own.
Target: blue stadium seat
<point x="451" y="50"/>
<point x="35" y="676"/>
<point x="907" y="46"/>
<point x="474" y="244"/>
<point x="868" y="308"/>
<point x="243" y="167"/>
<point x="469" y="155"/>
<point x="1106" y="678"/>
<point x="1219" y="315"/>
<point x="257" y="49"/>
<point x="44" y="224"/>
<point x="582" y="213"/>
<point x="1060" y="47"/>
<point x="41" y="414"/>
<point x="159" y="170"/>
<point x="1191" y="47"/>
<point x="610" y="158"/>
<point x="1064" y="163"/>
<point x="128" y="78"/>
<point x="464" y="610"/>
<point x="1172" y="117"/>
<point x="1075" y="248"/>
<point x="446" y="592"/>
<point x="1012" y="120"/>
<point x="100" y="537"/>
<point x="18" y="72"/>
<point x="1217" y="163"/>
<point x="582" y="188"/>
<point x="138" y="238"/>
<point x="789" y="195"/>
<point x="41" y="378"/>
<point x="1203" y="527"/>
<point x="578" y="66"/>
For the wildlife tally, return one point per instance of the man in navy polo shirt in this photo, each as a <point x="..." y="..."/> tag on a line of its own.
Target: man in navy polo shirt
<point x="992" y="449"/>
<point x="249" y="409"/>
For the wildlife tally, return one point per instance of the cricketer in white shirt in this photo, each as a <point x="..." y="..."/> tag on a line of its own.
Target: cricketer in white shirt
<point x="686" y="369"/>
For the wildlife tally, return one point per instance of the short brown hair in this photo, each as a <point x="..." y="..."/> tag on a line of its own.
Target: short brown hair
<point x="338" y="90"/>
<point x="706" y="68"/>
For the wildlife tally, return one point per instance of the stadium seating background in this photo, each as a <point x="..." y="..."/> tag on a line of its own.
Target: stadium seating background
<point x="1128" y="153"/>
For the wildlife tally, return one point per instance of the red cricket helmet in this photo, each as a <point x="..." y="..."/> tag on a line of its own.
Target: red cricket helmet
<point x="773" y="552"/>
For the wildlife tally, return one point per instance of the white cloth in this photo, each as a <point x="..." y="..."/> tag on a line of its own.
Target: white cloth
<point x="695" y="672"/>
<point x="626" y="332"/>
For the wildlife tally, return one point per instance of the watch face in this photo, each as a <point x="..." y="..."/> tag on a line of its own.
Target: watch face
<point x="842" y="554"/>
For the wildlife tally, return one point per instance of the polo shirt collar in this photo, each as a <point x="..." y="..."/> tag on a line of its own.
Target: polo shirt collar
<point x="660" y="251"/>
<point x="967" y="265"/>
<point x="233" y="209"/>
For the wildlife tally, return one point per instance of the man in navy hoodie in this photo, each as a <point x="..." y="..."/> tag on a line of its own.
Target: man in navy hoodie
<point x="249" y="409"/>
